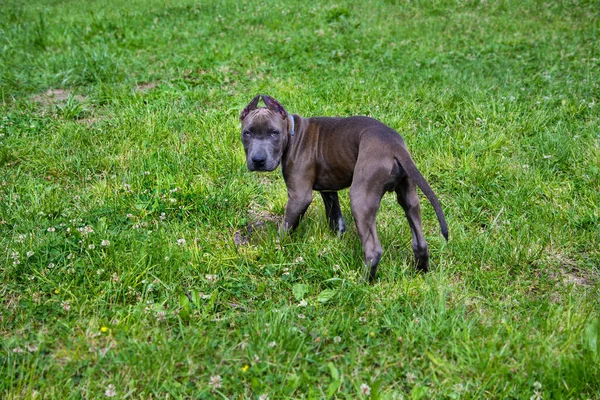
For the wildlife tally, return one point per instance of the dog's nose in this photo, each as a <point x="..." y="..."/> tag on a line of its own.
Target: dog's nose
<point x="259" y="160"/>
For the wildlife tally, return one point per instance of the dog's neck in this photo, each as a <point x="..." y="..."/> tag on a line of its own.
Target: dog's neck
<point x="293" y="140"/>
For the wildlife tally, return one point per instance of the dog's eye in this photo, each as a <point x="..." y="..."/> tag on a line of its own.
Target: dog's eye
<point x="247" y="133"/>
<point x="274" y="133"/>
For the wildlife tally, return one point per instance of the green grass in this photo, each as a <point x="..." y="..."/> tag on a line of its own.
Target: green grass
<point x="119" y="137"/>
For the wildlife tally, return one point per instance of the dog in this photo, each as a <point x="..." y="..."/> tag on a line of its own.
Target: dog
<point x="329" y="154"/>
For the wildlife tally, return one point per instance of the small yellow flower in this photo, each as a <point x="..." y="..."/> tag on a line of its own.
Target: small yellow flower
<point x="245" y="368"/>
<point x="56" y="291"/>
<point x="104" y="329"/>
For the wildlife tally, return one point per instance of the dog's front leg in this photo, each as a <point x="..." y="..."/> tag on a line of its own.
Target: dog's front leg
<point x="333" y="211"/>
<point x="297" y="204"/>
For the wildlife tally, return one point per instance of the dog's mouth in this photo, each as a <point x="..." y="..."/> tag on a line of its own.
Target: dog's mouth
<point x="262" y="168"/>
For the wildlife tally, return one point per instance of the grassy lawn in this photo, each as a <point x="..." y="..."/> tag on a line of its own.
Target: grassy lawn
<point x="140" y="259"/>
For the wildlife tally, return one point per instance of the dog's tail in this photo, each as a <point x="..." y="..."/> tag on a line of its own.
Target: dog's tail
<point x="413" y="173"/>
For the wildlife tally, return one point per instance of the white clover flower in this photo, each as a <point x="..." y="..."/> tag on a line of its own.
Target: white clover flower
<point x="215" y="381"/>
<point x="365" y="389"/>
<point x="110" y="391"/>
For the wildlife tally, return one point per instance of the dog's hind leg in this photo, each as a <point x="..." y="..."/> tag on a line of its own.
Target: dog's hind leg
<point x="333" y="211"/>
<point x="365" y="205"/>
<point x="367" y="189"/>
<point x="406" y="194"/>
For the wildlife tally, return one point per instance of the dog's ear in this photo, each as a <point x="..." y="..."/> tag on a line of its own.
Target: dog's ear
<point x="274" y="105"/>
<point x="251" y="106"/>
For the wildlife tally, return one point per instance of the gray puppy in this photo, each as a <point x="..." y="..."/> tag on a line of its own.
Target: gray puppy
<point x="330" y="154"/>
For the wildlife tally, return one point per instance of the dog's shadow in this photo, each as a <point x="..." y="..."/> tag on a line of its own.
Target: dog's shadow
<point x="313" y="245"/>
<point x="261" y="230"/>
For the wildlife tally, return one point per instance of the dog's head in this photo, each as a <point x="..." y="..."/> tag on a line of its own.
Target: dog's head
<point x="266" y="132"/>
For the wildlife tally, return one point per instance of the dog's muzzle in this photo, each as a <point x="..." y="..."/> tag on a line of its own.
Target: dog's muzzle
<point x="260" y="164"/>
<point x="261" y="158"/>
